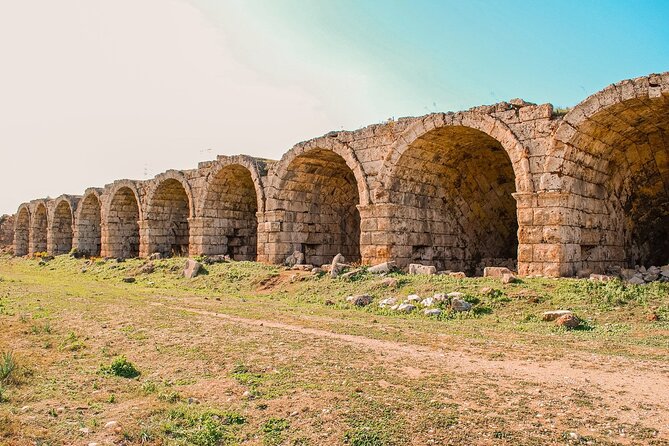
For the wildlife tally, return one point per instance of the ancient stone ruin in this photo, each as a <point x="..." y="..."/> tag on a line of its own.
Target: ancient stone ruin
<point x="512" y="184"/>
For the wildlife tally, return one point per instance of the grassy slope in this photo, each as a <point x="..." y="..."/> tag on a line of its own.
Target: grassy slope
<point x="63" y="324"/>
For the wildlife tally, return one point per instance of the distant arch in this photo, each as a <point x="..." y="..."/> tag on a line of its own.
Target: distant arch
<point x="121" y="220"/>
<point x="61" y="228"/>
<point x="22" y="231"/>
<point x="39" y="229"/>
<point x="232" y="197"/>
<point x="88" y="229"/>
<point x="169" y="206"/>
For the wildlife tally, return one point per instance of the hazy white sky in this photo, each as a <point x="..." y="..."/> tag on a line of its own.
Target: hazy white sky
<point x="97" y="90"/>
<point x="94" y="90"/>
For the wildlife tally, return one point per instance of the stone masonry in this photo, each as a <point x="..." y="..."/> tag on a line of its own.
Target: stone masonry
<point x="512" y="184"/>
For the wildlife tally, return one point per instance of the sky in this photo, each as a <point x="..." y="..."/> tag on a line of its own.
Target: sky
<point x="97" y="90"/>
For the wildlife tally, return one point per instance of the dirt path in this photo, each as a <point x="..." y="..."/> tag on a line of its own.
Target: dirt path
<point x="609" y="377"/>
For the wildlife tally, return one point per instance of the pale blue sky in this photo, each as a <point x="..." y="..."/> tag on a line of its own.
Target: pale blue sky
<point x="92" y="91"/>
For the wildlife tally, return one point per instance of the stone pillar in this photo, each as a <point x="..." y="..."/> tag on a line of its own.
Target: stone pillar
<point x="148" y="241"/>
<point x="377" y="239"/>
<point x="548" y="237"/>
<point x="275" y="243"/>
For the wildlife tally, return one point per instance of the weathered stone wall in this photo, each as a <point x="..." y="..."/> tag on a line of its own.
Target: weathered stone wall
<point x="512" y="184"/>
<point x="7" y="231"/>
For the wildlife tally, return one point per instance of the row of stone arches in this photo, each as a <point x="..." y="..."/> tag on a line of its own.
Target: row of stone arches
<point x="508" y="185"/>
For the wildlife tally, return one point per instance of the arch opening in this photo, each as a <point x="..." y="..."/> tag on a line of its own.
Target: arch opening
<point x="38" y="231"/>
<point x="88" y="226"/>
<point x="167" y="219"/>
<point x="454" y="186"/>
<point x="22" y="233"/>
<point x="319" y="195"/>
<point x="123" y="224"/>
<point x="230" y="208"/>
<point x="622" y="180"/>
<point x="61" y="229"/>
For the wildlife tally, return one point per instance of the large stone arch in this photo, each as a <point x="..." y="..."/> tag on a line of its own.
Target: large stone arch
<point x="22" y="231"/>
<point x="228" y="207"/>
<point x="169" y="206"/>
<point x="88" y="224"/>
<point x="313" y="202"/>
<point x="451" y="182"/>
<point x="122" y="213"/>
<point x="39" y="226"/>
<point x="61" y="227"/>
<point x="609" y="159"/>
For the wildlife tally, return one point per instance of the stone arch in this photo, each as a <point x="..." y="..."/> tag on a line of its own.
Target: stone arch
<point x="610" y="155"/>
<point x="168" y="209"/>
<point x="317" y="189"/>
<point x="61" y="227"/>
<point x="22" y="231"/>
<point x="39" y="228"/>
<point x="232" y="197"/>
<point x="121" y="217"/>
<point x="88" y="228"/>
<point x="452" y="178"/>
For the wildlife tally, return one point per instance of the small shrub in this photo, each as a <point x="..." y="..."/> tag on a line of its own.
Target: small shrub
<point x="7" y="366"/>
<point x="72" y="343"/>
<point x="273" y="429"/>
<point x="121" y="367"/>
<point x="363" y="436"/>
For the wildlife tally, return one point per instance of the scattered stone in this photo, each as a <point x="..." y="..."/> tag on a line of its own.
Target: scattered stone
<point x="147" y="268"/>
<point x="296" y="258"/>
<point x="432" y="312"/>
<point x="155" y="256"/>
<point x="92" y="444"/>
<point x="218" y="258"/>
<point x="111" y="425"/>
<point x="636" y="280"/>
<point x="361" y="300"/>
<point x="389" y="302"/>
<point x="440" y="297"/>
<point x="486" y="290"/>
<point x="85" y="430"/>
<point x="389" y="282"/>
<point x="337" y="266"/>
<point x="428" y="302"/>
<point x="382" y="268"/>
<point x="413" y="298"/>
<point x="192" y="268"/>
<point x="569" y="321"/>
<point x="457" y="275"/>
<point x="416" y="268"/>
<point x="302" y="267"/>
<point x="247" y="395"/>
<point x="460" y="305"/>
<point x="554" y="314"/>
<point x="128" y="279"/>
<point x="508" y="278"/>
<point x="317" y="270"/>
<point x="600" y="278"/>
<point x="25" y="409"/>
<point x="496" y="271"/>
<point x="406" y="307"/>
<point x="455" y="295"/>
<point x="351" y="274"/>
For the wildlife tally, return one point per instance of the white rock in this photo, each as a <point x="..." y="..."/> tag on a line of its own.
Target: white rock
<point x="432" y="312"/>
<point x="192" y="268"/>
<point x="428" y="302"/>
<point x="553" y="314"/>
<point x="111" y="425"/>
<point x="359" y="300"/>
<point x="382" y="268"/>
<point x="389" y="302"/>
<point x="413" y="298"/>
<point x="439" y="297"/>
<point x="416" y="268"/>
<point x="455" y="295"/>
<point x="406" y="308"/>
<point x="460" y="305"/>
